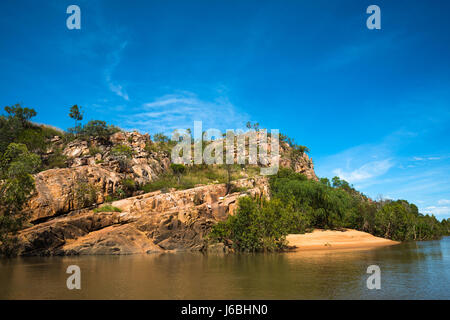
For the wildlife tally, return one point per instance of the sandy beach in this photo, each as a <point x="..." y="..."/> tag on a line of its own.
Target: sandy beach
<point x="330" y="240"/>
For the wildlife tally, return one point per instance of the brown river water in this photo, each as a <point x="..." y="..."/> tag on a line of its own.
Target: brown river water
<point x="413" y="270"/>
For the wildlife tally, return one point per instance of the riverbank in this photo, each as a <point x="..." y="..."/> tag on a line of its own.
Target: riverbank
<point x="331" y="239"/>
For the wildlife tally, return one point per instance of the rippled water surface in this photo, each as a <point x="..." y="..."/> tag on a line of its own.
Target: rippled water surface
<point x="415" y="270"/>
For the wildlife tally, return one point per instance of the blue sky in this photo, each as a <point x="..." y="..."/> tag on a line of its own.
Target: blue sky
<point x="372" y="105"/>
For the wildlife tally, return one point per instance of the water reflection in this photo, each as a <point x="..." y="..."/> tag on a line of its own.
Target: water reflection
<point x="410" y="270"/>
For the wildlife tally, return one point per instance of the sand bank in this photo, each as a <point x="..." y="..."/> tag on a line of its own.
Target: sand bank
<point x="329" y="240"/>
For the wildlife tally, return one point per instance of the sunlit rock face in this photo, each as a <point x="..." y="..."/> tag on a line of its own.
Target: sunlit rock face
<point x="152" y="222"/>
<point x="64" y="224"/>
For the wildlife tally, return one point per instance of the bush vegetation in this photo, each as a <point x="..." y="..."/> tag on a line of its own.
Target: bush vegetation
<point x="297" y="204"/>
<point x="16" y="186"/>
<point x="192" y="176"/>
<point x="85" y="194"/>
<point x="301" y="204"/>
<point x="93" y="129"/>
<point x="107" y="208"/>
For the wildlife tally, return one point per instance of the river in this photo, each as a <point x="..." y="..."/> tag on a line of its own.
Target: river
<point x="413" y="270"/>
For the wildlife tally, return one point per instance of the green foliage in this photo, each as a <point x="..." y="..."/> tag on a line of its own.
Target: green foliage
<point x="325" y="181"/>
<point x="33" y="139"/>
<point x="123" y="153"/>
<point x="16" y="128"/>
<point x="17" y="184"/>
<point x="259" y="225"/>
<point x="85" y="194"/>
<point x="151" y="147"/>
<point x="341" y="206"/>
<point x="191" y="177"/>
<point x="128" y="186"/>
<point x="254" y="126"/>
<point x="107" y="208"/>
<point x="94" y="129"/>
<point x="297" y="150"/>
<point x="399" y="220"/>
<point x="94" y="150"/>
<point x="445" y="224"/>
<point x="14" y="124"/>
<point x="76" y="114"/>
<point x="178" y="170"/>
<point x="161" y="143"/>
<point x="122" y="150"/>
<point x="119" y="193"/>
<point x="325" y="205"/>
<point x="55" y="160"/>
<point x="160" y="137"/>
<point x="163" y="183"/>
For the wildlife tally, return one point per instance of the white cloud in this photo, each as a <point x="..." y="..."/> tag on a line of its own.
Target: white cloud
<point x="444" y="201"/>
<point x="115" y="58"/>
<point x="437" y="210"/>
<point x="369" y="170"/>
<point x="118" y="89"/>
<point x="179" y="111"/>
<point x="426" y="158"/>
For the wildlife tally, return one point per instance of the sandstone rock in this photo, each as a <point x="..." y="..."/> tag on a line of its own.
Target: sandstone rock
<point x="113" y="240"/>
<point x="56" y="189"/>
<point x="152" y="222"/>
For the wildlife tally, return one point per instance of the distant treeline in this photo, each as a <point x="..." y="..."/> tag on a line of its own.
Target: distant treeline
<point x="299" y="205"/>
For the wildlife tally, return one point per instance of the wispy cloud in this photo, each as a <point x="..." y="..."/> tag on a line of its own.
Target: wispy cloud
<point x="382" y="169"/>
<point x="437" y="210"/>
<point x="179" y="111"/>
<point x="349" y="53"/>
<point x="115" y="57"/>
<point x="369" y="170"/>
<point x="426" y="158"/>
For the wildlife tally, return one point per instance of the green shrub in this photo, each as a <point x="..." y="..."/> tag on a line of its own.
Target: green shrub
<point x="122" y="150"/>
<point x="16" y="127"/>
<point x="123" y="153"/>
<point x="151" y="147"/>
<point x="128" y="185"/>
<point x="34" y="139"/>
<point x="107" y="208"/>
<point x="339" y="205"/>
<point x="259" y="225"/>
<point x="85" y="194"/>
<point x="17" y="165"/>
<point x="178" y="170"/>
<point x="55" y="160"/>
<point x="94" y="129"/>
<point x="160" y="137"/>
<point x="234" y="189"/>
<point x="163" y="183"/>
<point x="94" y="150"/>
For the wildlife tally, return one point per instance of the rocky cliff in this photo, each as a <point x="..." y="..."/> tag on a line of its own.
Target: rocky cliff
<point x="64" y="223"/>
<point x="148" y="223"/>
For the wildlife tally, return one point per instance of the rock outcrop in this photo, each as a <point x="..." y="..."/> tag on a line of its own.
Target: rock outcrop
<point x="152" y="222"/>
<point x="92" y="165"/>
<point x="56" y="190"/>
<point x="61" y="209"/>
